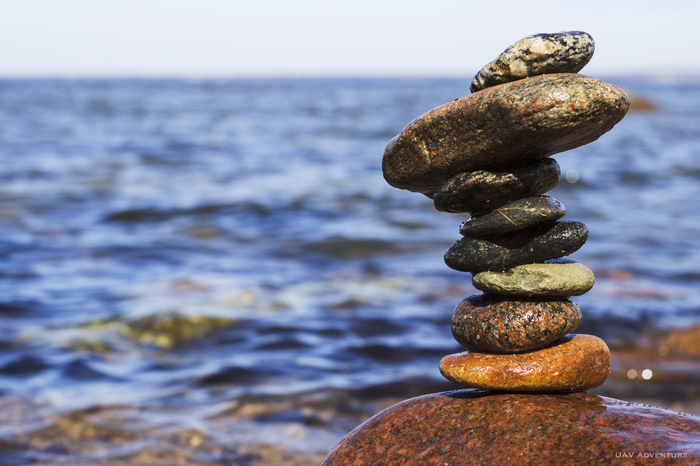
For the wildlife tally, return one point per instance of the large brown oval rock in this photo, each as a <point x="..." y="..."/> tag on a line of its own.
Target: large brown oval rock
<point x="507" y="324"/>
<point x="475" y="427"/>
<point x="574" y="362"/>
<point x="511" y="123"/>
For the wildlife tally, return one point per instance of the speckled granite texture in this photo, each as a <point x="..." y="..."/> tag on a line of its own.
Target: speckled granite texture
<point x="574" y="362"/>
<point x="474" y="427"/>
<point x="523" y="120"/>
<point x="508" y="324"/>
<point x="571" y="279"/>
<point x="514" y="216"/>
<point x="535" y="244"/>
<point x="561" y="52"/>
<point x="482" y="191"/>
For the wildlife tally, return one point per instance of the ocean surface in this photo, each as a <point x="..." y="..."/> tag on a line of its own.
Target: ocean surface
<point x="215" y="271"/>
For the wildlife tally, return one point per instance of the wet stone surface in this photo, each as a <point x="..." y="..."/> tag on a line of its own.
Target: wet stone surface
<point x="514" y="216"/>
<point x="574" y="362"/>
<point x="561" y="52"/>
<point x="535" y="244"/>
<point x="509" y="124"/>
<point x="477" y="427"/>
<point x="508" y="324"/>
<point x="482" y="191"/>
<point x="549" y="279"/>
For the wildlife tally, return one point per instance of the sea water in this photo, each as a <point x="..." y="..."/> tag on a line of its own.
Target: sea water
<point x="182" y="247"/>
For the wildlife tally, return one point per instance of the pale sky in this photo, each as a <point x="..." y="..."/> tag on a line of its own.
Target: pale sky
<point x="233" y="38"/>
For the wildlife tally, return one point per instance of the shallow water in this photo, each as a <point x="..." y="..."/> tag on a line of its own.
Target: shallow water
<point x="216" y="271"/>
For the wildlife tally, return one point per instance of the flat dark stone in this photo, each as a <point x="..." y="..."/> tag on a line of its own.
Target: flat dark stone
<point x="496" y="323"/>
<point x="482" y="191"/>
<point x="478" y="427"/>
<point x="534" y="244"/>
<point x="508" y="124"/>
<point x="514" y="216"/>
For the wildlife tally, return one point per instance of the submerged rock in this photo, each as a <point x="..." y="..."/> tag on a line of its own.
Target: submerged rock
<point x="482" y="191"/>
<point x="535" y="244"/>
<point x="174" y="329"/>
<point x="508" y="324"/>
<point x="514" y="216"/>
<point x="466" y="427"/>
<point x="509" y="124"/>
<point x="561" y="52"/>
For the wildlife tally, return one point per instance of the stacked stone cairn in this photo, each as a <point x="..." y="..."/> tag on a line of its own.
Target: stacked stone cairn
<point x="487" y="154"/>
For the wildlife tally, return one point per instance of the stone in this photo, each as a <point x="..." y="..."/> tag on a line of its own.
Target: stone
<point x="509" y="124"/>
<point x="548" y="279"/>
<point x="482" y="191"/>
<point x="466" y="427"/>
<point x="684" y="340"/>
<point x="561" y="52"/>
<point x="515" y="216"/>
<point x="506" y="324"/>
<point x="574" y="362"/>
<point x="534" y="244"/>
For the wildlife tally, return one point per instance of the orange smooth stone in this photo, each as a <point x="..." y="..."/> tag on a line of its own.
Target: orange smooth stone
<point x="574" y="362"/>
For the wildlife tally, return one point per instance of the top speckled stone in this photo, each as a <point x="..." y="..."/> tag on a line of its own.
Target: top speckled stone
<point x="524" y="120"/>
<point x="562" y="52"/>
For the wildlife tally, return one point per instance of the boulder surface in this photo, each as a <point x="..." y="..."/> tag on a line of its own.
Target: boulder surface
<point x="466" y="427"/>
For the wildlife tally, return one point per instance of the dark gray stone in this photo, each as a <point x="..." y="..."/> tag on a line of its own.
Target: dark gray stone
<point x="496" y="323"/>
<point x="514" y="216"/>
<point x="535" y="244"/>
<point x="482" y="191"/>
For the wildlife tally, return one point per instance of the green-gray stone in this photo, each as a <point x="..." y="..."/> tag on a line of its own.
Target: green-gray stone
<point x="482" y="191"/>
<point x="515" y="216"/>
<point x="550" y="279"/>
<point x="561" y="52"/>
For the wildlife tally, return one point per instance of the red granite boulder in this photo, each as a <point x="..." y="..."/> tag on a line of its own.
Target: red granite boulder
<point x="479" y="427"/>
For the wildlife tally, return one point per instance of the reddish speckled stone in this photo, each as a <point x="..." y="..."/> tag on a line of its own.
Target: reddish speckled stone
<point x="474" y="427"/>
<point x="507" y="324"/>
<point x="574" y="362"/>
<point x="507" y="124"/>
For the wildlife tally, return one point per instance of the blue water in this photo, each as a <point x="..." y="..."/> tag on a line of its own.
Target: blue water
<point x="128" y="207"/>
